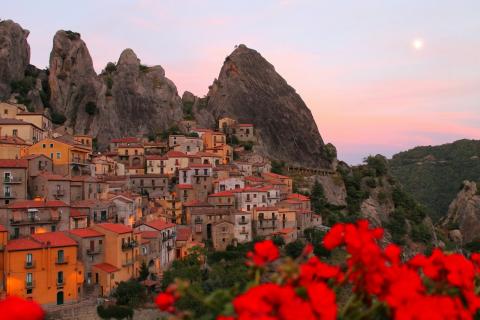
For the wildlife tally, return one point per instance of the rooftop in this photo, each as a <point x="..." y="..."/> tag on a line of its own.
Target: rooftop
<point x="159" y="224"/>
<point x="86" y="233"/>
<point x="8" y="163"/>
<point x="26" y="204"/>
<point x="115" y="227"/>
<point x="106" y="267"/>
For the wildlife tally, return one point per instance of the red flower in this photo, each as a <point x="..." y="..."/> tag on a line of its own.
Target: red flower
<point x="20" y="309"/>
<point x="334" y="237"/>
<point x="316" y="270"/>
<point x="165" y="301"/>
<point x="263" y="253"/>
<point x="322" y="300"/>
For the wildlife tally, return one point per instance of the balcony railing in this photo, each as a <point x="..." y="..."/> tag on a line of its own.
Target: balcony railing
<point x="34" y="220"/>
<point x="243" y="222"/>
<point x="127" y="262"/>
<point x="29" y="264"/>
<point x="129" y="245"/>
<point x="29" y="284"/>
<point x="60" y="283"/>
<point x="244" y="232"/>
<point x="12" y="179"/>
<point x="8" y="195"/>
<point x="61" y="260"/>
<point x="94" y="251"/>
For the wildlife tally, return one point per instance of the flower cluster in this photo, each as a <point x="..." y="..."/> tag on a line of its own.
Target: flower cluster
<point x="20" y="309"/>
<point x="376" y="281"/>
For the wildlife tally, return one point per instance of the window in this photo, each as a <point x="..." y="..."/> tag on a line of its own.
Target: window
<point x="51" y="145"/>
<point x="51" y="155"/>
<point x="29" y="280"/>
<point x="53" y="228"/>
<point x="44" y="146"/>
<point x="60" y="277"/>
<point x="29" y="259"/>
<point x="5" y="111"/>
<point x="59" y="155"/>
<point x="15" y="132"/>
<point x="32" y="230"/>
<point x="60" y="256"/>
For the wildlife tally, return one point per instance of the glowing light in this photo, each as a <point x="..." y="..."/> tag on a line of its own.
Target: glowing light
<point x="417" y="44"/>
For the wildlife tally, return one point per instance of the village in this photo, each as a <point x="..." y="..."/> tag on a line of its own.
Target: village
<point x="77" y="222"/>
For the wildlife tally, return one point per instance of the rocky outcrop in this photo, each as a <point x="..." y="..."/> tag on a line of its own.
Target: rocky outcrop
<point x="128" y="98"/>
<point x="334" y="189"/>
<point x="250" y="90"/>
<point x="14" y="55"/>
<point x="464" y="214"/>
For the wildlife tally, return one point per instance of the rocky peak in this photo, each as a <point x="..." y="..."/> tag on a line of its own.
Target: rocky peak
<point x="250" y="90"/>
<point x="464" y="214"/>
<point x="14" y="55"/>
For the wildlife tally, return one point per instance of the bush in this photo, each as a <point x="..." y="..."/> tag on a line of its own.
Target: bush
<point x="110" y="67"/>
<point x="91" y="108"/>
<point x="248" y="145"/>
<point x="116" y="312"/>
<point x="72" y="35"/>
<point x="130" y="293"/>
<point x="294" y="249"/>
<point x="278" y="166"/>
<point x="58" y="118"/>
<point x="278" y="241"/>
<point x="378" y="163"/>
<point x="371" y="182"/>
<point x="143" y="68"/>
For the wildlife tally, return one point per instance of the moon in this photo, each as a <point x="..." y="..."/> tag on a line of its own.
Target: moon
<point x="417" y="44"/>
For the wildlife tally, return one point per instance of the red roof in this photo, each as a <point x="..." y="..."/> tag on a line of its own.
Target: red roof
<point x="255" y="179"/>
<point x="125" y="140"/>
<point x="116" y="227"/>
<point x="184" y="186"/>
<point x="106" y="267"/>
<point x="54" y="239"/>
<point x="183" y="234"/>
<point x="77" y="213"/>
<point x="19" y="163"/>
<point x="149" y="234"/>
<point x="53" y="177"/>
<point x="25" y="204"/>
<point x="274" y="175"/>
<point x="22" y="244"/>
<point x="244" y="125"/>
<point x="176" y="154"/>
<point x="298" y="196"/>
<point x="155" y="157"/>
<point x="222" y="194"/>
<point x="86" y="233"/>
<point x="159" y="224"/>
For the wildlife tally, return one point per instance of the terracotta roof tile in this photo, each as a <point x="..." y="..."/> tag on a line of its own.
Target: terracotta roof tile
<point x="106" y="267"/>
<point x="24" y="204"/>
<point x="23" y="244"/>
<point x="8" y="163"/>
<point x="54" y="239"/>
<point x="159" y="224"/>
<point x="86" y="233"/>
<point x="116" y="227"/>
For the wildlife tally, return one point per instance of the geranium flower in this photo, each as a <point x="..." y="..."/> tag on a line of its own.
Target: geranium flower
<point x="263" y="253"/>
<point x="20" y="309"/>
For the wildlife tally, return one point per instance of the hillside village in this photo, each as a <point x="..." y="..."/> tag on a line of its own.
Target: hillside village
<point x="76" y="222"/>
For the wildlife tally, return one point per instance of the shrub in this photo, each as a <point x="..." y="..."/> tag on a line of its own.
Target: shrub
<point x="116" y="312"/>
<point x="72" y="35"/>
<point x="143" y="68"/>
<point x="58" y="118"/>
<point x="110" y="67"/>
<point x="294" y="249"/>
<point x="130" y="293"/>
<point x="91" y="108"/>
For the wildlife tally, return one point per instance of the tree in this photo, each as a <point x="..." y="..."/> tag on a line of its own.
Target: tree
<point x="278" y="241"/>
<point x="317" y="198"/>
<point x="144" y="273"/>
<point x="294" y="249"/>
<point x="378" y="163"/>
<point x="277" y="167"/>
<point x="130" y="293"/>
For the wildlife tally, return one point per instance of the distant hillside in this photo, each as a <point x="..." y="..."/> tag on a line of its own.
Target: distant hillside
<point x="434" y="174"/>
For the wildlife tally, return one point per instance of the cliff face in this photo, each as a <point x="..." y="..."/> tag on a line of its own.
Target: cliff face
<point x="126" y="99"/>
<point x="14" y="55"/>
<point x="249" y="89"/>
<point x="464" y="214"/>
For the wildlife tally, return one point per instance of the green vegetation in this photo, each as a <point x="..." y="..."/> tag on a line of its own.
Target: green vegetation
<point x="130" y="293"/>
<point x="192" y="135"/>
<point x="115" y="312"/>
<point x="172" y="130"/>
<point x="329" y="152"/>
<point x="247" y="145"/>
<point x="278" y="167"/>
<point x="187" y="107"/>
<point x="91" y="108"/>
<point x="294" y="249"/>
<point x="143" y="274"/>
<point x="110" y="67"/>
<point x="317" y="197"/>
<point x="433" y="174"/>
<point x="57" y="118"/>
<point x="143" y="68"/>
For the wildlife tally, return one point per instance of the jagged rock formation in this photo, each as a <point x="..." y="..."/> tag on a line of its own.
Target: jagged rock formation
<point x="250" y="90"/>
<point x="14" y="55"/>
<point x="126" y="99"/>
<point x="463" y="218"/>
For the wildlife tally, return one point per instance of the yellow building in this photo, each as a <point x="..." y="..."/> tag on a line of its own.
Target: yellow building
<point x="36" y="118"/>
<point x="19" y="128"/>
<point x="9" y="110"/>
<point x="12" y="147"/>
<point x="85" y="140"/>
<point x="120" y="256"/>
<point x="212" y="139"/>
<point x="43" y="267"/>
<point x="69" y="157"/>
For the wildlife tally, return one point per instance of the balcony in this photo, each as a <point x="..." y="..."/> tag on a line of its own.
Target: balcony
<point x="34" y="220"/>
<point x="8" y="195"/>
<point x="127" y="262"/>
<point x="94" y="251"/>
<point x="76" y="160"/>
<point x="129" y="245"/>
<point x="29" y="264"/>
<point x="29" y="284"/>
<point x="244" y="232"/>
<point x="59" y="193"/>
<point x="12" y="180"/>
<point x="61" y="260"/>
<point x="243" y="222"/>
